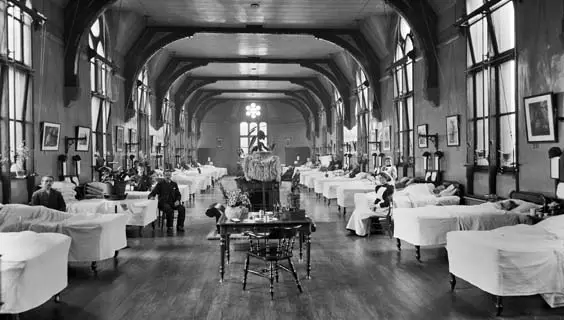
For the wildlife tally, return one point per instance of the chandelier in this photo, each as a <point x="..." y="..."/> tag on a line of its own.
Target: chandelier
<point x="253" y="110"/>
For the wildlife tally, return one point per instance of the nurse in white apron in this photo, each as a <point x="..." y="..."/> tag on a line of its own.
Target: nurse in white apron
<point x="359" y="220"/>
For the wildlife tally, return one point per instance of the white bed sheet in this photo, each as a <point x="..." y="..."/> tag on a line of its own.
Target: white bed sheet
<point x="94" y="236"/>
<point x="347" y="190"/>
<point x="304" y="173"/>
<point x="310" y="179"/>
<point x="511" y="261"/>
<point x="33" y="269"/>
<point x="425" y="226"/>
<point x="321" y="183"/>
<point x="139" y="212"/>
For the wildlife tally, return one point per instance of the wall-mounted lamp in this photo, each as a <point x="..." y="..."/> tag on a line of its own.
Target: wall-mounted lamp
<point x="433" y="137"/>
<point x="438" y="155"/>
<point x="70" y="141"/>
<point x="554" y="155"/>
<point x="426" y="155"/>
<point x="381" y="157"/>
<point x="128" y="146"/>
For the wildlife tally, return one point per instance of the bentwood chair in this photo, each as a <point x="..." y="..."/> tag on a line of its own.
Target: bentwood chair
<point x="384" y="216"/>
<point x="272" y="248"/>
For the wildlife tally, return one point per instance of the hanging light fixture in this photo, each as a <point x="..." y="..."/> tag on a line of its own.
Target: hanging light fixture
<point x="253" y="110"/>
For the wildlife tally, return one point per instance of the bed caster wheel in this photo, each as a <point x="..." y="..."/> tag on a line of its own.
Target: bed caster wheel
<point x="57" y="298"/>
<point x="498" y="306"/>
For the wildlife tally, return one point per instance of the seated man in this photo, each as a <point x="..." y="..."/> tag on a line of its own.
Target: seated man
<point x="169" y="200"/>
<point x="47" y="196"/>
<point x="359" y="220"/>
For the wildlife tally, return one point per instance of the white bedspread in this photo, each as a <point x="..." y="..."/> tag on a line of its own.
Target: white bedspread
<point x="429" y="225"/>
<point x="347" y="190"/>
<point x="94" y="236"/>
<point x="33" y="269"/>
<point x="139" y="212"/>
<point x="512" y="261"/>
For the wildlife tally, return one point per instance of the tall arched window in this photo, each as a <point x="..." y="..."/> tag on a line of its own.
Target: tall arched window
<point x="143" y="109"/>
<point x="248" y="130"/>
<point x="403" y="97"/>
<point x="100" y="101"/>
<point x="491" y="85"/>
<point x="16" y="67"/>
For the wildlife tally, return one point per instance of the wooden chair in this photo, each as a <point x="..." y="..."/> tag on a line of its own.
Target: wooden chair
<point x="272" y="248"/>
<point x="384" y="216"/>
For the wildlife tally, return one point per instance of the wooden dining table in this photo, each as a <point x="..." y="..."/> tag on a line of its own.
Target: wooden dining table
<point x="264" y="225"/>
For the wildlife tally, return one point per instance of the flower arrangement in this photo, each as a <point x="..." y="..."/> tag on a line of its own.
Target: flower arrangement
<point x="22" y="151"/>
<point x="237" y="198"/>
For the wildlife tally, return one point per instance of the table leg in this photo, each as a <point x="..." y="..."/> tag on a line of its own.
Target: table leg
<point x="301" y="240"/>
<point x="222" y="242"/>
<point x="308" y="252"/>
<point x="227" y="246"/>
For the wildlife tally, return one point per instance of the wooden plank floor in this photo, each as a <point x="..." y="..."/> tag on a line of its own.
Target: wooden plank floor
<point x="177" y="277"/>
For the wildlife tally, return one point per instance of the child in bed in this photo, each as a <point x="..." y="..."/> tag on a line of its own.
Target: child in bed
<point x="359" y="221"/>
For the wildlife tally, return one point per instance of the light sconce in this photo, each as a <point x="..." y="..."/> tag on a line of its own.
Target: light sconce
<point x="426" y="156"/>
<point x="438" y="155"/>
<point x="253" y="110"/>
<point x="381" y="159"/>
<point x="433" y="137"/>
<point x="554" y="155"/>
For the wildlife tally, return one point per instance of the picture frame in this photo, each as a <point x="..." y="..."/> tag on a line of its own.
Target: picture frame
<point x="386" y="138"/>
<point x="81" y="143"/>
<point x="453" y="131"/>
<point x="120" y="138"/>
<point x="422" y="138"/>
<point x="219" y="142"/>
<point x="540" y="120"/>
<point x="50" y="136"/>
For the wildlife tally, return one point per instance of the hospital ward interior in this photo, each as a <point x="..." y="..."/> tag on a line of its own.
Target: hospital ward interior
<point x="261" y="159"/>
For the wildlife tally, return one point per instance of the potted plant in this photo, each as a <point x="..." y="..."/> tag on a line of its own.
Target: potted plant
<point x="237" y="204"/>
<point x="117" y="178"/>
<point x="21" y="154"/>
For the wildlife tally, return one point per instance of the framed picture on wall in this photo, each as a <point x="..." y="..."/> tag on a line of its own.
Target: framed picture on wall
<point x="83" y="136"/>
<point x="386" y="138"/>
<point x="119" y="138"/>
<point x="540" y="119"/>
<point x="422" y="139"/>
<point x="453" y="131"/>
<point x="50" y="134"/>
<point x="219" y="143"/>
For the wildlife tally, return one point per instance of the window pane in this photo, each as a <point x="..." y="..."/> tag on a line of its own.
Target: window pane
<point x="11" y="93"/>
<point x="399" y="109"/>
<point x="12" y="138"/>
<point x="472" y="5"/>
<point x="95" y="29"/>
<point x="480" y="94"/>
<point x="410" y="113"/>
<point x="27" y="40"/>
<point x="507" y="87"/>
<point x="18" y="54"/>
<point x="10" y="32"/>
<point x="504" y="26"/>
<point x="244" y="142"/>
<point x="93" y="75"/>
<point x="95" y="108"/>
<point x="243" y="129"/>
<point x="253" y="128"/>
<point x="262" y="127"/>
<point x="482" y="138"/>
<point x="477" y="31"/>
<point x="19" y="88"/>
<point x="507" y="139"/>
<point x="399" y="52"/>
<point x="399" y="81"/>
<point x="410" y="142"/>
<point x="409" y="72"/>
<point x="408" y="45"/>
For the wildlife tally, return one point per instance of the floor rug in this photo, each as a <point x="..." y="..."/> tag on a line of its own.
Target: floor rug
<point x="213" y="235"/>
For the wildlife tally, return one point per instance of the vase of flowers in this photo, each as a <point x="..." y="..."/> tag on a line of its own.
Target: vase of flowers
<point x="237" y="204"/>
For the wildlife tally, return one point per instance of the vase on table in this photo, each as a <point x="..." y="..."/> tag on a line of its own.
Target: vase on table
<point x="233" y="212"/>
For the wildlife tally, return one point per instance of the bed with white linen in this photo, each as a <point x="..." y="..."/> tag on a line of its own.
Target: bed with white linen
<point x="347" y="190"/>
<point x="94" y="236"/>
<point x="306" y="172"/>
<point x="413" y="196"/>
<point x="519" y="260"/>
<point x="33" y="269"/>
<point x="332" y="176"/>
<point x="140" y="212"/>
<point x="428" y="226"/>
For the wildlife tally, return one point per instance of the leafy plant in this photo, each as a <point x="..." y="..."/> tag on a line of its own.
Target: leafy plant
<point x="237" y="198"/>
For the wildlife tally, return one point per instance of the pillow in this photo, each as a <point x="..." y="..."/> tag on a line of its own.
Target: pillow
<point x="360" y="175"/>
<point x="506" y="205"/>
<point x="447" y="193"/>
<point x="524" y="206"/>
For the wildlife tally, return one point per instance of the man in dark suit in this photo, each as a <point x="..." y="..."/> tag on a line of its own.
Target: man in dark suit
<point x="169" y="200"/>
<point x="47" y="196"/>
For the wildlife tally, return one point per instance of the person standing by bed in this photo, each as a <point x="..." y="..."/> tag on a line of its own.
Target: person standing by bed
<point x="390" y="169"/>
<point x="359" y="220"/>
